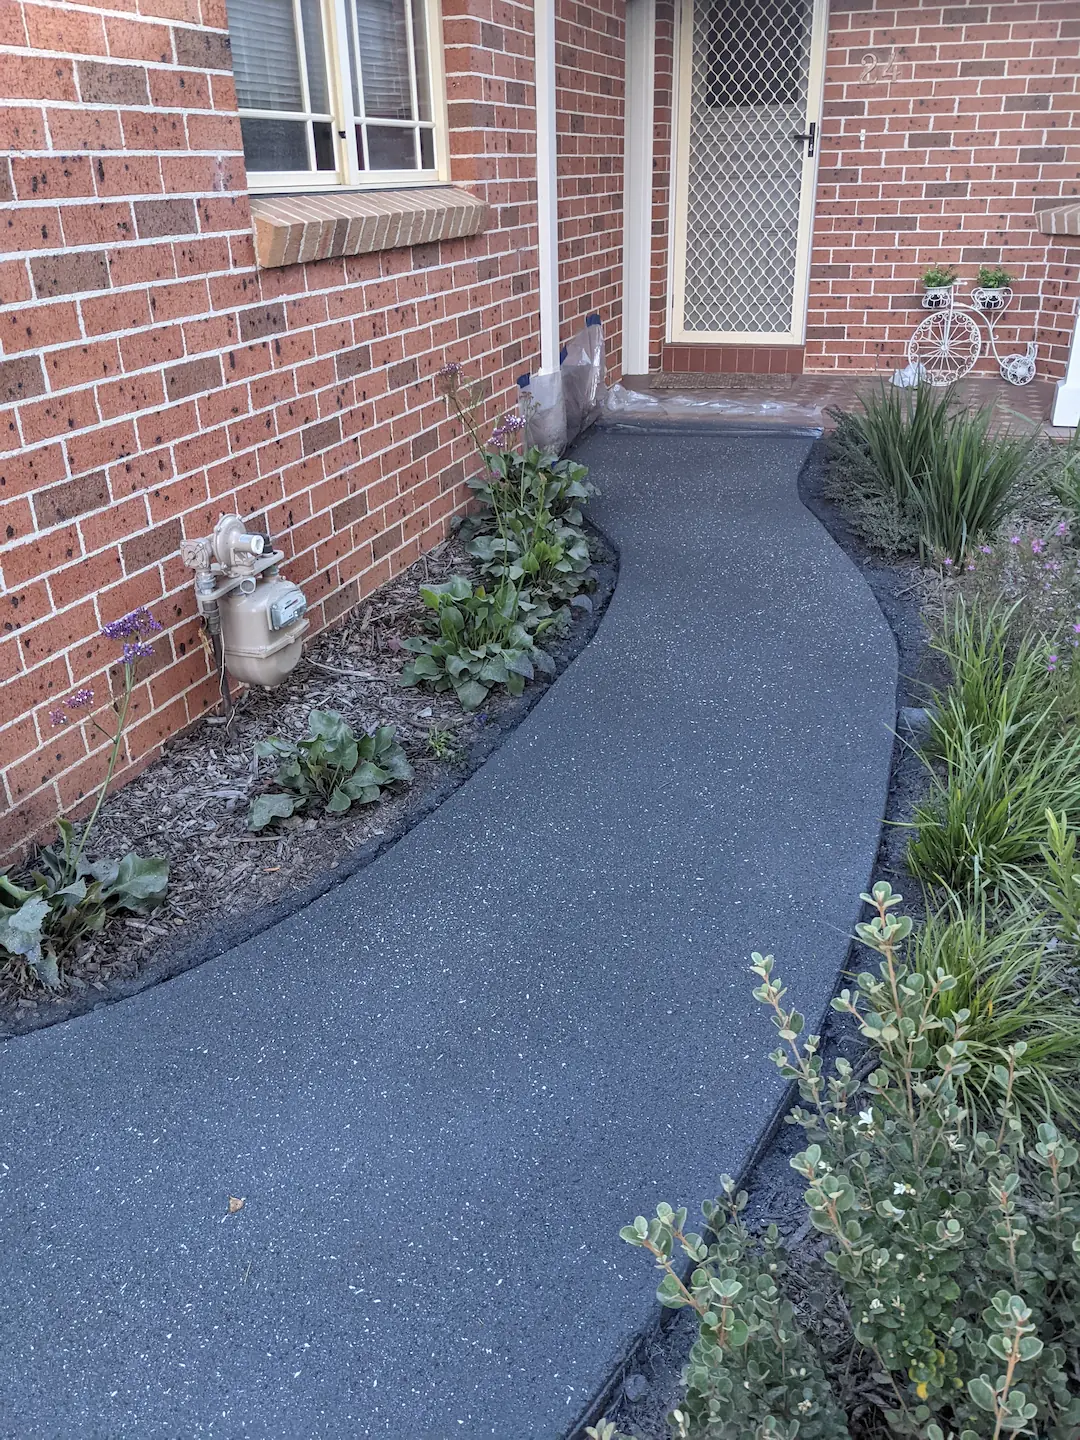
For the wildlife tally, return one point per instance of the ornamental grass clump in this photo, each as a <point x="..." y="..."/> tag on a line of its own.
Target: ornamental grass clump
<point x="1002" y="751"/>
<point x="66" y="897"/>
<point x="1014" y="980"/>
<point x="951" y="1276"/>
<point x="916" y="473"/>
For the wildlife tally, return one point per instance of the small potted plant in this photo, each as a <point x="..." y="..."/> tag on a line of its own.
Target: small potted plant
<point x="990" y="287"/>
<point x="937" y="286"/>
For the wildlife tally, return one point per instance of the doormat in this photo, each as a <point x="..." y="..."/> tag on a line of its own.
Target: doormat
<point x="699" y="380"/>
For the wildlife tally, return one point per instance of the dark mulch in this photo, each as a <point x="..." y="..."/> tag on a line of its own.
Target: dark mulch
<point x="190" y="806"/>
<point x="648" y="1385"/>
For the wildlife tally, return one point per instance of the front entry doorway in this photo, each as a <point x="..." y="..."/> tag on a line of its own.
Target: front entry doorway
<point x="749" y="78"/>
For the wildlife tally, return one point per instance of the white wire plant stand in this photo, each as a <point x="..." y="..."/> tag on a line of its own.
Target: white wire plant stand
<point x="945" y="346"/>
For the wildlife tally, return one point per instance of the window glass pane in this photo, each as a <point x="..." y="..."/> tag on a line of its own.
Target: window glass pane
<point x="382" y="40"/>
<point x="325" y="158"/>
<point x="419" y="30"/>
<point x="275" y="144"/>
<point x="427" y="150"/>
<point x="361" y="158"/>
<point x="390" y="148"/>
<point x="265" y="60"/>
<point x="311" y="13"/>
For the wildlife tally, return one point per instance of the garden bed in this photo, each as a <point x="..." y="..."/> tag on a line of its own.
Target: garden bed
<point x="190" y="806"/>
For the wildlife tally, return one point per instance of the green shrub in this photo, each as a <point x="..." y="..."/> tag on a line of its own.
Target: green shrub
<point x="955" y="1250"/>
<point x="938" y="276"/>
<point x="477" y="640"/>
<point x="998" y="756"/>
<point x="528" y="528"/>
<point x="331" y="765"/>
<point x="992" y="277"/>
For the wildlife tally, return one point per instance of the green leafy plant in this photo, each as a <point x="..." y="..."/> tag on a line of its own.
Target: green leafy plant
<point x="476" y="640"/>
<point x="528" y="524"/>
<point x="751" y="1370"/>
<point x="331" y="765"/>
<point x="997" y="756"/>
<point x="992" y="277"/>
<point x="939" y="276"/>
<point x="954" y="1247"/>
<point x="66" y="897"/>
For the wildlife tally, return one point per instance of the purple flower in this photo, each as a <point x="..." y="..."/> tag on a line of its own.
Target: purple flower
<point x="986" y="549"/>
<point x="58" y="717"/>
<point x="80" y="699"/>
<point x="1063" y="528"/>
<point x="449" y="371"/>
<point x="136" y="650"/>
<point x="131" y="626"/>
<point x="1051" y="662"/>
<point x="1076" y="629"/>
<point x="1014" y="540"/>
<point x="1036" y="547"/>
<point x="502" y="437"/>
<point x="947" y="562"/>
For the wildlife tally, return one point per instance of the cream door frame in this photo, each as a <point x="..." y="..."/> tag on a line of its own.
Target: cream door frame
<point x="638" y="192"/>
<point x="680" y="162"/>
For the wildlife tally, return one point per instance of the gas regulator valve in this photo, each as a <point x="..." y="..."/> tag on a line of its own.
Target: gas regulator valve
<point x="254" y="615"/>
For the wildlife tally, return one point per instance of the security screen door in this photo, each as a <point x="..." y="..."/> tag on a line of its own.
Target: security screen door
<point x="750" y="76"/>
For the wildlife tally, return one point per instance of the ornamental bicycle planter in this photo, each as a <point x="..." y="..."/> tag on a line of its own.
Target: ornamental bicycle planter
<point x="946" y="345"/>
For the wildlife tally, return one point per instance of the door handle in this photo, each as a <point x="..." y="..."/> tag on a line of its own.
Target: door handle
<point x="810" y="137"/>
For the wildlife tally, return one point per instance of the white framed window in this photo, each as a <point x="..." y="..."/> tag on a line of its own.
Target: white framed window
<point x="339" y="92"/>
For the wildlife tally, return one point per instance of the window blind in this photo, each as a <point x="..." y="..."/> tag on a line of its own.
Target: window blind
<point x="265" y="59"/>
<point x="383" y="43"/>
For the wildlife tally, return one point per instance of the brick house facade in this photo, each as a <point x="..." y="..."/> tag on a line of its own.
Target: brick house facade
<point x="161" y="362"/>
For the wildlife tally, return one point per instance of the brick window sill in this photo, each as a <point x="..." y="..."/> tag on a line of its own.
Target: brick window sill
<point x="292" y="229"/>
<point x="1060" y="219"/>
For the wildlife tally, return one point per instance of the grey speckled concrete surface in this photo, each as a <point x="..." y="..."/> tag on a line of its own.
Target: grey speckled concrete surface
<point x="442" y="1087"/>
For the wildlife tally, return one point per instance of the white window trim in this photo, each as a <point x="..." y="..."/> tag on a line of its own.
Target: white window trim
<point x="348" y="174"/>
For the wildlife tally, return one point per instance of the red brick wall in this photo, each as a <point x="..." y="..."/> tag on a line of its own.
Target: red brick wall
<point x="152" y="377"/>
<point x="590" y="53"/>
<point x="974" y="126"/>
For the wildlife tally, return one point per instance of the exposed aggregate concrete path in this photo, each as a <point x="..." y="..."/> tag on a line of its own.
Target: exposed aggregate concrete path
<point x="442" y="1087"/>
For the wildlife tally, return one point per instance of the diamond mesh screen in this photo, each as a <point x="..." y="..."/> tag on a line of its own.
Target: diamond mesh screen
<point x="751" y="65"/>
